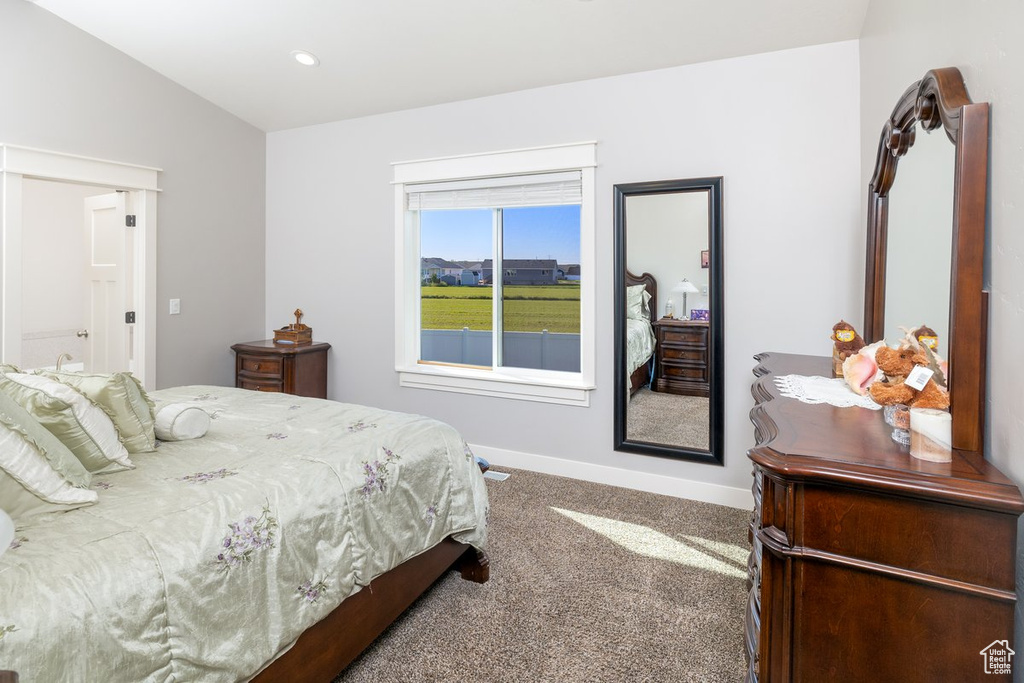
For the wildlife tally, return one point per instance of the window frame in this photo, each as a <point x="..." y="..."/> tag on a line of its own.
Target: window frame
<point x="547" y="386"/>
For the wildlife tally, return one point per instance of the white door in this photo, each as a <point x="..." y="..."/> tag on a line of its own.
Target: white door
<point x="106" y="347"/>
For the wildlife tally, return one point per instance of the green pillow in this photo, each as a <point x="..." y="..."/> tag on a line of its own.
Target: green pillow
<point x="60" y="460"/>
<point x="123" y="399"/>
<point x="80" y="425"/>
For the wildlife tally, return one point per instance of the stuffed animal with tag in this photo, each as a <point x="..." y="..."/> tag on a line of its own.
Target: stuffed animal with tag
<point x="897" y="364"/>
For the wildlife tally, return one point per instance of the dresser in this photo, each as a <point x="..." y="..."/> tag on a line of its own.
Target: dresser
<point x="291" y="369"/>
<point x="868" y="564"/>
<point x="681" y="357"/>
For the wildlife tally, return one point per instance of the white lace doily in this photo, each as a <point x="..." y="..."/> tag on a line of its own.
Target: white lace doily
<point x="833" y="391"/>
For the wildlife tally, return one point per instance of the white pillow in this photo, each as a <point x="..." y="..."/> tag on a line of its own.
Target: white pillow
<point x="92" y="418"/>
<point x="181" y="421"/>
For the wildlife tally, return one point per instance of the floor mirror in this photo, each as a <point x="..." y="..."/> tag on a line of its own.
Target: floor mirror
<point x="668" y="319"/>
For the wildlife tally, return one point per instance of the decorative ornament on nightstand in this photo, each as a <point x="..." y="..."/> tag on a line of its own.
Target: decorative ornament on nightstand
<point x="684" y="287"/>
<point x="295" y="333"/>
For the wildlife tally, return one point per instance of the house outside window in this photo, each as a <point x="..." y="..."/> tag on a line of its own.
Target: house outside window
<point x="528" y="334"/>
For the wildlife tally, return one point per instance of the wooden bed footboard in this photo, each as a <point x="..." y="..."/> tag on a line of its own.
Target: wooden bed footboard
<point x="327" y="647"/>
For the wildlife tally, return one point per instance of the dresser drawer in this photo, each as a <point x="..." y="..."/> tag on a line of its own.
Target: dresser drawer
<point x="261" y="365"/>
<point x="256" y="384"/>
<point x="691" y="336"/>
<point x="685" y="354"/>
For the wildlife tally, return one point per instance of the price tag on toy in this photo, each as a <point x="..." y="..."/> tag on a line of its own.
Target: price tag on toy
<point x="918" y="377"/>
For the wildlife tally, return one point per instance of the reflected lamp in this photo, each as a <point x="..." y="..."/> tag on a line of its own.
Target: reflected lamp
<point x="684" y="287"/>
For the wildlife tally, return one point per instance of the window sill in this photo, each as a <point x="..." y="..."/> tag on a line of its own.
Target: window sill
<point x="571" y="392"/>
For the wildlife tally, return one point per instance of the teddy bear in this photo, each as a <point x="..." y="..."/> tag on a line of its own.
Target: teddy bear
<point x="896" y="364"/>
<point x="847" y="343"/>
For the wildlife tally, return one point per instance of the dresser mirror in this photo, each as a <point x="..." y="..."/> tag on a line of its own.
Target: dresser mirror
<point x="668" y="319"/>
<point x="926" y="235"/>
<point x="920" y="239"/>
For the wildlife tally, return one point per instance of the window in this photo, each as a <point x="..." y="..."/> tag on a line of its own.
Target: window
<point x="484" y="302"/>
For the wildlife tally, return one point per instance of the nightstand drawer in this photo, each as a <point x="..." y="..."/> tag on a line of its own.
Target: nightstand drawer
<point x="685" y="354"/>
<point x="692" y="336"/>
<point x="261" y="365"/>
<point x="691" y="372"/>
<point x="254" y="384"/>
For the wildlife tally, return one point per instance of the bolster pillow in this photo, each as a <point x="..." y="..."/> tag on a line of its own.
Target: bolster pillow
<point x="181" y="421"/>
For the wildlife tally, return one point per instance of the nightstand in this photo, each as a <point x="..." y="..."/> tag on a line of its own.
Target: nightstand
<point x="286" y="368"/>
<point x="681" y="357"/>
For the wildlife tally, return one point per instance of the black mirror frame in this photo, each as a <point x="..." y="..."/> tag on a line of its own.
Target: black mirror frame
<point x="716" y="347"/>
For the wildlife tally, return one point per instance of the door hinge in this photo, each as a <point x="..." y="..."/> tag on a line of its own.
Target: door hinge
<point x="129" y="317"/>
<point x="129" y="221"/>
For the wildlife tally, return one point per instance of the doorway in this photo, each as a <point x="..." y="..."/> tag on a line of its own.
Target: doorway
<point x="74" y="306"/>
<point x="110" y="267"/>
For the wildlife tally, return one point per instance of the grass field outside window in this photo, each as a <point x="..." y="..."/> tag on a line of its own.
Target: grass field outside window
<point x="527" y="308"/>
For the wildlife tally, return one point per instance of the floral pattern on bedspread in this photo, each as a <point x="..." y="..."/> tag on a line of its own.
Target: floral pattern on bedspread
<point x="213" y="555"/>
<point x="311" y="592"/>
<point x="246" y="537"/>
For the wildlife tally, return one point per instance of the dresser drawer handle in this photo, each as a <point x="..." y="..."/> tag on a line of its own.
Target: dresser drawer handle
<point x="257" y="366"/>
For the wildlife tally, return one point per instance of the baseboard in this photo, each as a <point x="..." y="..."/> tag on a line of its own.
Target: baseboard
<point x="741" y="498"/>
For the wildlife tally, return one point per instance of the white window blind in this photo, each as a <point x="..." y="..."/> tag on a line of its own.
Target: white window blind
<point x="545" y="189"/>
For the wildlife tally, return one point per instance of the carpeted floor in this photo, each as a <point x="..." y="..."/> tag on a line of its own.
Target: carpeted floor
<point x="589" y="583"/>
<point x="658" y="417"/>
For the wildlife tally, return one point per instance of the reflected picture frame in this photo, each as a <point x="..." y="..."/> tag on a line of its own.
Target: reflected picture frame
<point x="705" y="258"/>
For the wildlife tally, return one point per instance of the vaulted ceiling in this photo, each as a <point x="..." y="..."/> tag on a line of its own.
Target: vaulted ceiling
<point x="386" y="55"/>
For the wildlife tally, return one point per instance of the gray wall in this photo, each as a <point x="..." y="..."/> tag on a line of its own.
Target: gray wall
<point x="666" y="233"/>
<point x="782" y="128"/>
<point x="902" y="39"/>
<point x="63" y="90"/>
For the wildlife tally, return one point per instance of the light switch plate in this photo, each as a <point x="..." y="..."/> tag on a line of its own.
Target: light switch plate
<point x="175" y="306"/>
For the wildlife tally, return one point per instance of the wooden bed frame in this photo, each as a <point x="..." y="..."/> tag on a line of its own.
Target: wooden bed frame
<point x="642" y="375"/>
<point x="326" y="648"/>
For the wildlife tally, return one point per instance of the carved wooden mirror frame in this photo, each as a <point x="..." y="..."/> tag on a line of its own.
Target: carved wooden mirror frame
<point x="941" y="99"/>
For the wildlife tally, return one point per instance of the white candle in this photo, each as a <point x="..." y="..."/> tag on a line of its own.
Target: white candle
<point x="931" y="434"/>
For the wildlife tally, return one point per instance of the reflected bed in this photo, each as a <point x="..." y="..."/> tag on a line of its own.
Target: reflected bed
<point x="640" y="336"/>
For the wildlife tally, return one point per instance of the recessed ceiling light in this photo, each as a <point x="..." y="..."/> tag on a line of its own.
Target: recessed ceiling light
<point x="305" y="58"/>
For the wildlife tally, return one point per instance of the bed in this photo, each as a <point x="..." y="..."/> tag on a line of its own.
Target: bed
<point x="278" y="546"/>
<point x="640" y="335"/>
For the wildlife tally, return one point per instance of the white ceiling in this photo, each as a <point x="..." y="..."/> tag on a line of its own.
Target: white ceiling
<point x="387" y="55"/>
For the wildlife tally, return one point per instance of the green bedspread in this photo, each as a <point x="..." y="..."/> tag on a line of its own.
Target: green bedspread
<point x="213" y="555"/>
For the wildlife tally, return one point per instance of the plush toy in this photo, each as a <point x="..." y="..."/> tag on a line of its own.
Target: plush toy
<point x="847" y="343"/>
<point x="926" y="341"/>
<point x="896" y="364"/>
<point x="926" y="336"/>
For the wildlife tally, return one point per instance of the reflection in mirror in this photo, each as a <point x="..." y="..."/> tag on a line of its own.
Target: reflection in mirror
<point x="938" y="102"/>
<point x="920" y="239"/>
<point x="668" y="318"/>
